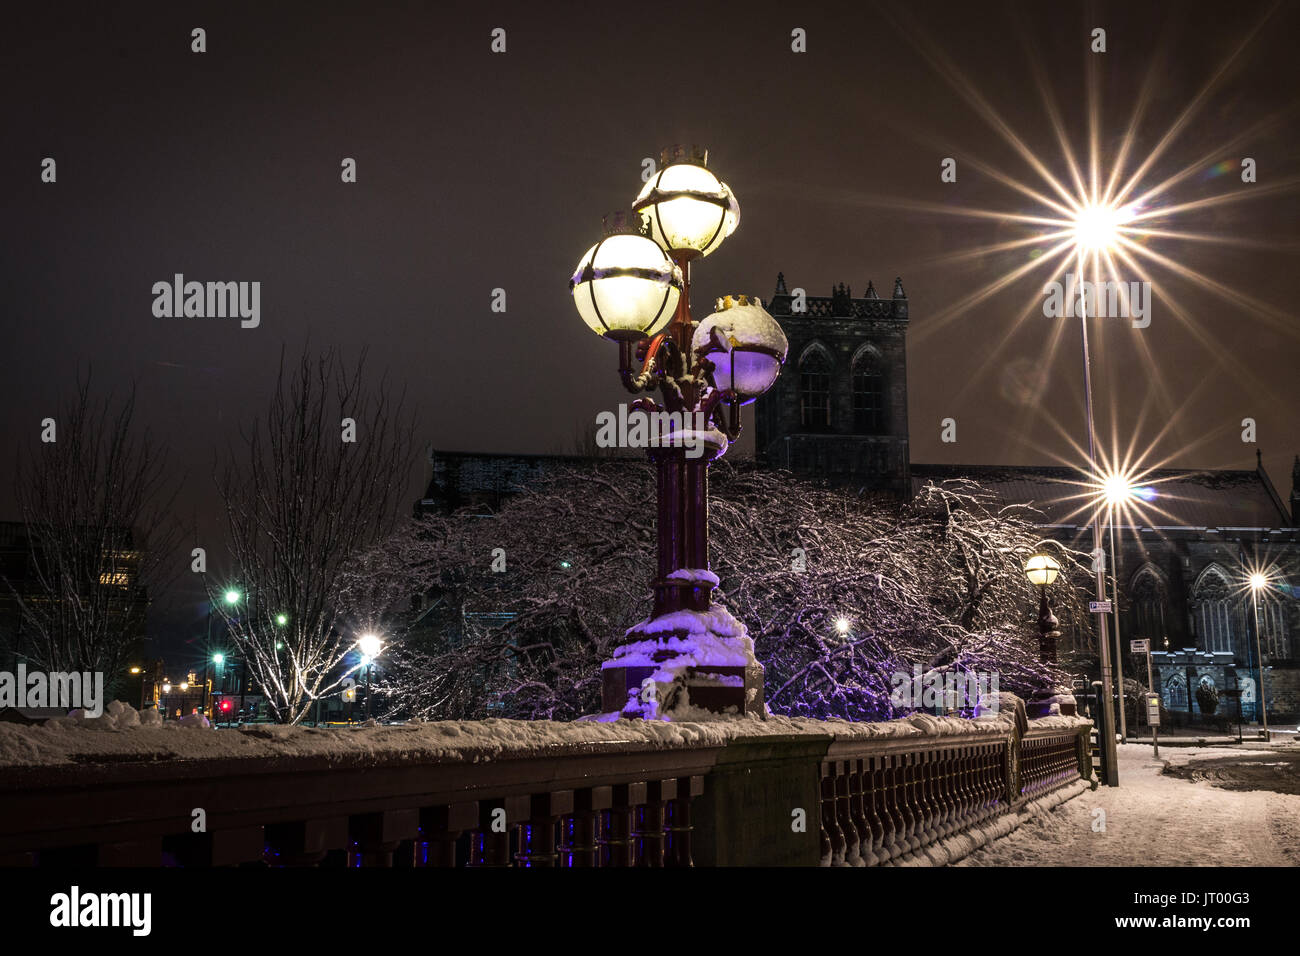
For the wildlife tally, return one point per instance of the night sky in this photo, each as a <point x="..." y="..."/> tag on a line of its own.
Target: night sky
<point x="479" y="170"/>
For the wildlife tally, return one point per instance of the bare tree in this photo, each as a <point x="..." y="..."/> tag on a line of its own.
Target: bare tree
<point x="314" y="487"/>
<point x="96" y="503"/>
<point x="839" y="592"/>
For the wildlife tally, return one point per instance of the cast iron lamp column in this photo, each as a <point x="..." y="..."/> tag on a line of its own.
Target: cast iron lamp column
<point x="634" y="287"/>
<point x="1042" y="569"/>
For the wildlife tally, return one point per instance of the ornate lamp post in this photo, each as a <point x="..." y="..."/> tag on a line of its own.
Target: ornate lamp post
<point x="1042" y="569"/>
<point x="634" y="287"/>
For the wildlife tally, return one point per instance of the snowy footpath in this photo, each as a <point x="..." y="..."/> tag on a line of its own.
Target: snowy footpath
<point x="1154" y="819"/>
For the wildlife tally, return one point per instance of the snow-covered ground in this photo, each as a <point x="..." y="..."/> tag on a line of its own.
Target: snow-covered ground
<point x="1153" y="819"/>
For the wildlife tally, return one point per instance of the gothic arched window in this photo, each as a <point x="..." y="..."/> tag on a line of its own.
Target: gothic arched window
<point x="1149" y="601"/>
<point x="868" y="396"/>
<point x="1175" y="693"/>
<point x="815" y="391"/>
<point x="1214" y="611"/>
<point x="1272" y="631"/>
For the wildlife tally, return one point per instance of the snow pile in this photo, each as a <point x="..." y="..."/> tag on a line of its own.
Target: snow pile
<point x="683" y="648"/>
<point x="116" y="716"/>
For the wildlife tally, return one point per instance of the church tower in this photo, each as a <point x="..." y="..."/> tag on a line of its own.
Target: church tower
<point x="839" y="410"/>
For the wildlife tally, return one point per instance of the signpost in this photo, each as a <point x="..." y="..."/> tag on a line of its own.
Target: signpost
<point x="1153" y="699"/>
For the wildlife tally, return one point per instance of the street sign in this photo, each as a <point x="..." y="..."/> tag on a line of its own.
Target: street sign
<point x="1099" y="607"/>
<point x="1140" y="647"/>
<point x="1153" y="711"/>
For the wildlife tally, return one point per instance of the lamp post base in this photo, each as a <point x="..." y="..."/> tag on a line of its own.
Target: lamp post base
<point x="686" y="665"/>
<point x="642" y="692"/>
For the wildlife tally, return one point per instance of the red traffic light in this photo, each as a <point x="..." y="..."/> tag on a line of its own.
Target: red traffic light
<point x="225" y="705"/>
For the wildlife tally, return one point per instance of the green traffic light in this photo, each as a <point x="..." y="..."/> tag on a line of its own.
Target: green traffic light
<point x="232" y="597"/>
<point x="282" y="619"/>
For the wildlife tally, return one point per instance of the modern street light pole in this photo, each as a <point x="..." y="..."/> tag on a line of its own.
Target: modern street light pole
<point x="1257" y="583"/>
<point x="1109" y="755"/>
<point x="1119" y="647"/>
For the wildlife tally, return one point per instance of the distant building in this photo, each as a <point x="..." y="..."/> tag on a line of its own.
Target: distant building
<point x="839" y="409"/>
<point x="21" y="584"/>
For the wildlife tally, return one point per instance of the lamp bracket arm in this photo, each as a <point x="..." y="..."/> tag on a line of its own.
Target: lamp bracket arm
<point x="646" y="354"/>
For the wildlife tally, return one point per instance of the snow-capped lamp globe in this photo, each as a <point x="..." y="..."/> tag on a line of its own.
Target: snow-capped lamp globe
<point x="744" y="344"/>
<point x="1042" y="569"/>
<point x="626" y="288"/>
<point x="690" y="210"/>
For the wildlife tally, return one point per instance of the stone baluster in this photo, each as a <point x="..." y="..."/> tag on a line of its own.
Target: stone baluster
<point x="858" y="811"/>
<point x="830" y="818"/>
<point x="844" y="814"/>
<point x="677" y="822"/>
<point x="440" y="828"/>
<point x="616" y="843"/>
<point x="304" y="842"/>
<point x="873" y="803"/>
<point x="375" y="836"/>
<point x="579" y="830"/>
<point x="649" y="822"/>
<point x="489" y="843"/>
<point x="535" y="837"/>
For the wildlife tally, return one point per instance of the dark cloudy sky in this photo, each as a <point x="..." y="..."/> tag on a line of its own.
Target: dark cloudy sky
<point x="479" y="170"/>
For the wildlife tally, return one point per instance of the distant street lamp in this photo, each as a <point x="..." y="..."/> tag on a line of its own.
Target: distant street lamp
<point x="1042" y="570"/>
<point x="633" y="287"/>
<point x="1259" y="582"/>
<point x="370" y="645"/>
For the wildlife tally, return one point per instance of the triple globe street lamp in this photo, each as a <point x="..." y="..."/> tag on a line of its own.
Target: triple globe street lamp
<point x="633" y="287"/>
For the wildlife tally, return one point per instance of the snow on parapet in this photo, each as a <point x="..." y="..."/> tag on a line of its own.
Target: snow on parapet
<point x="66" y="741"/>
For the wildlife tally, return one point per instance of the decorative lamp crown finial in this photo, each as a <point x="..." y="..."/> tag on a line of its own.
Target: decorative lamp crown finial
<point x="731" y="301"/>
<point x="625" y="223"/>
<point x="675" y="154"/>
